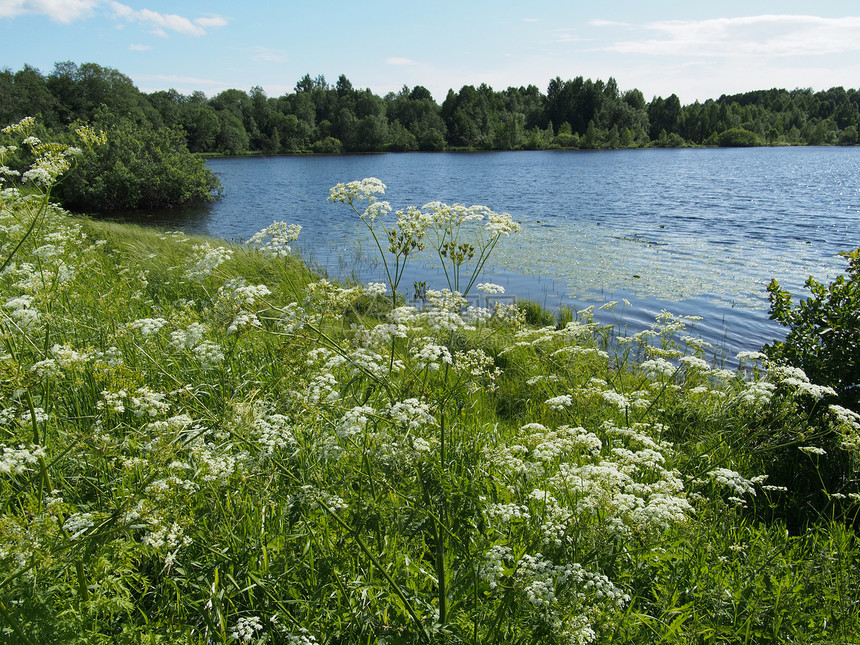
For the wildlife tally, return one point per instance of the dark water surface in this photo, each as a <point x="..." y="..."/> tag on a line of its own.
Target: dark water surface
<point x="695" y="231"/>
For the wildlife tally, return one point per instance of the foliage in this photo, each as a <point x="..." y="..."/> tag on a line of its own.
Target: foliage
<point x="320" y="117"/>
<point x="204" y="443"/>
<point x="135" y="167"/>
<point x="819" y="355"/>
<point x="737" y="138"/>
<point x="823" y="331"/>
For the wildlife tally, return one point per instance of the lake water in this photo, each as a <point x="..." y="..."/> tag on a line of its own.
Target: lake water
<point x="695" y="231"/>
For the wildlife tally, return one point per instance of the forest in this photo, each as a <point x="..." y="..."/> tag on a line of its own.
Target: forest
<point x="324" y="118"/>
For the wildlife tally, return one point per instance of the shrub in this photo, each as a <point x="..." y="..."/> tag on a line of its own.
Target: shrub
<point x="137" y="167"/>
<point x="822" y="343"/>
<point x="824" y="331"/>
<point x="738" y="138"/>
<point x="329" y="145"/>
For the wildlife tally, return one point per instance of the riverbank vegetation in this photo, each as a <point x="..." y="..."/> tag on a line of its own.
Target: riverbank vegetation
<point x="320" y="117"/>
<point x="203" y="442"/>
<point x="129" y="159"/>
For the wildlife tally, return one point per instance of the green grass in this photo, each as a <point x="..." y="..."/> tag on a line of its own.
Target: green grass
<point x="188" y="458"/>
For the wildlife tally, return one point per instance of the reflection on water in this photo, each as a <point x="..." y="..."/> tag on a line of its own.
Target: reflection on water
<point x="698" y="232"/>
<point x="194" y="219"/>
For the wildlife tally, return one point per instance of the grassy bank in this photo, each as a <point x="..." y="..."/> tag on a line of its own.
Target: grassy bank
<point x="204" y="443"/>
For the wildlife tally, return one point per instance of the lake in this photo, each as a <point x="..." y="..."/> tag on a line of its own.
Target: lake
<point x="695" y="231"/>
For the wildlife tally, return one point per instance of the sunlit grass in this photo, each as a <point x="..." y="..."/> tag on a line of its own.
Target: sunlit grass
<point x="204" y="443"/>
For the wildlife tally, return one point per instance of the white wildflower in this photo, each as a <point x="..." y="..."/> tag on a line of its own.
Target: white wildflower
<point x="245" y="629"/>
<point x="77" y="524"/>
<point x="693" y="362"/>
<point x="347" y="193"/>
<point x="147" y="326"/>
<point x="23" y="312"/>
<point x="15" y="461"/>
<point x="411" y="413"/>
<point x="490" y="289"/>
<point x="496" y="560"/>
<point x="274" y="240"/>
<point x="376" y="289"/>
<point x="732" y="480"/>
<point x="559" y="402"/>
<point x="431" y="356"/>
<point x="813" y="450"/>
<point x="206" y="260"/>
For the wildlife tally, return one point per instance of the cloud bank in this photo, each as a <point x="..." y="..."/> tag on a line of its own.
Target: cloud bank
<point x="68" y="11"/>
<point x="766" y="35"/>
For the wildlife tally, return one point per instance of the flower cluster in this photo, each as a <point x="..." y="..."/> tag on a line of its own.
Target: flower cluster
<point x="275" y="239"/>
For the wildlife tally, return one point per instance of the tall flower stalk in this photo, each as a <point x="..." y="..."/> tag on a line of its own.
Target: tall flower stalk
<point x="462" y="236"/>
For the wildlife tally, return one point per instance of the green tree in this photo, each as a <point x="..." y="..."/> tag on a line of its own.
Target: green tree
<point x="400" y="139"/>
<point x="848" y="137"/>
<point x="202" y="125"/>
<point x="663" y="114"/>
<point x="232" y="139"/>
<point x="26" y="93"/>
<point x="81" y="90"/>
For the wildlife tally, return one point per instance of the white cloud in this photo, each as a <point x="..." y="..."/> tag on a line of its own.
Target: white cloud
<point x="767" y="35"/>
<point x="139" y="48"/>
<point x="64" y="11"/>
<point x="558" y="36"/>
<point x="268" y="55"/>
<point x="162" y="23"/>
<point x="599" y="22"/>
<point x="214" y="21"/>
<point x="395" y="60"/>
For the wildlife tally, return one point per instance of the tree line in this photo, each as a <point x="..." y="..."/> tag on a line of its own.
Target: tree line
<point x="320" y="117"/>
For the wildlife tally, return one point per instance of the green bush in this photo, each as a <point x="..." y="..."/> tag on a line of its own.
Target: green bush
<point x="738" y="138"/>
<point x="137" y="167"/>
<point x="329" y="145"/>
<point x="824" y="332"/>
<point x="823" y="341"/>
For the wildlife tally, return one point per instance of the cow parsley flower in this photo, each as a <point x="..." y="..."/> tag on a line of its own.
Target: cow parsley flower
<point x="147" y="326"/>
<point x="206" y="260"/>
<point x="275" y="239"/>
<point x="490" y="289"/>
<point x="245" y="629"/>
<point x="732" y="480"/>
<point x="757" y="393"/>
<point x="693" y="362"/>
<point x="78" y="524"/>
<point x="375" y="289"/>
<point x="23" y="312"/>
<point x="431" y="357"/>
<point x="559" y="402"/>
<point x="411" y="413"/>
<point x="496" y="560"/>
<point x="813" y="450"/>
<point x="347" y="193"/>
<point x="16" y="461"/>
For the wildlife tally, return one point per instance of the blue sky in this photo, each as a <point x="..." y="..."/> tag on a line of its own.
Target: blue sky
<point x="696" y="50"/>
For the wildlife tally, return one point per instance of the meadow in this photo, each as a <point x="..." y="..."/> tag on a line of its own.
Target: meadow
<point x="204" y="442"/>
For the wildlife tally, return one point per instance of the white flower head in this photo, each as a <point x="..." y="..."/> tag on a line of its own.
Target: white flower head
<point x="275" y="239"/>
<point x="490" y="289"/>
<point x="347" y="193"/>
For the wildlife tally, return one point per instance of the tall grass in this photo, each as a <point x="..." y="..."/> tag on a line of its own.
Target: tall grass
<point x="204" y="443"/>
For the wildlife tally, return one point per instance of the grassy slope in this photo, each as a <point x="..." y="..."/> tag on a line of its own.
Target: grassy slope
<point x="175" y="469"/>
